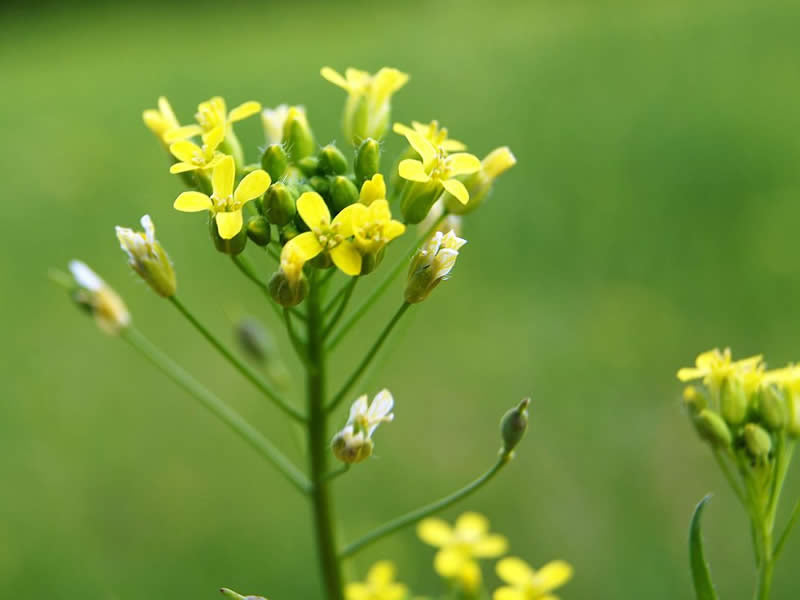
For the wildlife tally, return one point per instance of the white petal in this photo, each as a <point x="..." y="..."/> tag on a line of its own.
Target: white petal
<point x="84" y="276"/>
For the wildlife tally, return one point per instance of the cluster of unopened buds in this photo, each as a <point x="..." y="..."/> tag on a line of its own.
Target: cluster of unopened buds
<point x="316" y="214"/>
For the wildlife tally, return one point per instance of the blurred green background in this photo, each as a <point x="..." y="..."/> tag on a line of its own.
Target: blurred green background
<point x="653" y="214"/>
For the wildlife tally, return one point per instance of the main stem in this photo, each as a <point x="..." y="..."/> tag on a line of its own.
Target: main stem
<point x="318" y="446"/>
<point x="766" y="567"/>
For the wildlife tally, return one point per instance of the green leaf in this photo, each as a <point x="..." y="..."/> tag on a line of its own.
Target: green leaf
<point x="701" y="575"/>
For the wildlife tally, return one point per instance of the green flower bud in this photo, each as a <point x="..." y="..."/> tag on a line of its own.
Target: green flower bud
<point x="792" y="413"/>
<point x="351" y="448"/>
<point x="332" y="161"/>
<point x="288" y="232"/>
<point x="288" y="287"/>
<point x="233" y="246"/>
<point x="371" y="260"/>
<point x="258" y="230"/>
<point x="758" y="442"/>
<point x="514" y="424"/>
<point x="417" y="200"/>
<point x="279" y="204"/>
<point x="368" y="158"/>
<point x="694" y="399"/>
<point x="320" y="184"/>
<point x="148" y="258"/>
<point x="274" y="161"/>
<point x="712" y="428"/>
<point x="733" y="401"/>
<point x="234" y="596"/>
<point x="343" y="193"/>
<point x="297" y="134"/>
<point x="772" y="408"/>
<point x="308" y="165"/>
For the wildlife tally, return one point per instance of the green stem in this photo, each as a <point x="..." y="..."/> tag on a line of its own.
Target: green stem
<point x="378" y="291"/>
<point x="340" y="471"/>
<point x="218" y="408"/>
<point x="248" y="373"/>
<point x="347" y="293"/>
<point x="318" y="446"/>
<point x="247" y="269"/>
<point x="297" y="343"/>
<point x="417" y="515"/>
<point x="729" y="476"/>
<point x="371" y="353"/>
<point x="766" y="569"/>
<point x="785" y="535"/>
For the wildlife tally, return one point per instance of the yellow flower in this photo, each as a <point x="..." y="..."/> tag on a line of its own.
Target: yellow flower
<point x="161" y="120"/>
<point x="433" y="133"/>
<point x="108" y="309"/>
<point x="193" y="157"/>
<point x="459" y="545"/>
<point x="373" y="189"/>
<point x="325" y="235"/>
<point x="366" y="112"/>
<point x="226" y="203"/>
<point x="497" y="162"/>
<point x="715" y="365"/>
<point x="379" y="585"/>
<point x="373" y="226"/>
<point x="437" y="166"/>
<point x="213" y="113"/>
<point x="529" y="584"/>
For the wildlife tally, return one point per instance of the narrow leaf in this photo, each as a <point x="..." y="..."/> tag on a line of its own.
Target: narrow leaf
<point x="701" y="575"/>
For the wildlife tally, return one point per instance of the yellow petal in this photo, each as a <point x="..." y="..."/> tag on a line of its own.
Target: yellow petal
<point x="229" y="223"/>
<point x="244" y="110"/>
<point x="463" y="163"/>
<point x="448" y="562"/>
<point x="553" y="575"/>
<point x="334" y="77"/>
<point x="423" y="147"/>
<point x="392" y="230"/>
<point x="457" y="189"/>
<point x="452" y="146"/>
<point x="373" y="189"/>
<point x="218" y="105"/>
<point x="192" y="202"/>
<point x="222" y="177"/>
<point x="347" y="217"/>
<point x="381" y="573"/>
<point x="490" y="546"/>
<point x="304" y="247"/>
<point x="252" y="186"/>
<point x="514" y="570"/>
<point x="472" y="524"/>
<point x="313" y="210"/>
<point x="498" y="161"/>
<point x="379" y="211"/>
<point x="386" y="82"/>
<point x="213" y="138"/>
<point x="182" y="167"/>
<point x="347" y="258"/>
<point x="508" y="593"/>
<point x="165" y="109"/>
<point x="401" y="129"/>
<point x="687" y="374"/>
<point x="181" y="133"/>
<point x="435" y="532"/>
<point x="413" y="170"/>
<point x="357" y="591"/>
<point x="184" y="151"/>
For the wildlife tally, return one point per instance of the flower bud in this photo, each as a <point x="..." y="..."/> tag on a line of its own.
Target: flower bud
<point x="432" y="264"/>
<point x="733" y="401"/>
<point x="332" y="161"/>
<point x="351" y="448"/>
<point x="147" y="257"/>
<point x="234" y="596"/>
<point x="417" y="200"/>
<point x="772" y="408"/>
<point x="297" y="134"/>
<point x="694" y="400"/>
<point x="275" y="161"/>
<point x="98" y="299"/>
<point x="368" y="158"/>
<point x="343" y="193"/>
<point x="712" y="428"/>
<point x="233" y="246"/>
<point x="279" y="204"/>
<point x="287" y="232"/>
<point x="479" y="184"/>
<point x="514" y="424"/>
<point x="758" y="442"/>
<point x="320" y="184"/>
<point x="274" y="120"/>
<point x="258" y="230"/>
<point x="289" y="285"/>
<point x="308" y="165"/>
<point x="792" y="413"/>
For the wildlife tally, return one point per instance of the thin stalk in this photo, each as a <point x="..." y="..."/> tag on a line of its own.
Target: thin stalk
<point x="347" y="293"/>
<point x="318" y="447"/>
<point x="371" y="353"/>
<point x="340" y="471"/>
<point x="785" y="535"/>
<point x="378" y="291"/>
<point x="417" y="515"/>
<point x="294" y="337"/>
<point x="218" y="408"/>
<point x="726" y="471"/>
<point x="247" y="269"/>
<point x="248" y="373"/>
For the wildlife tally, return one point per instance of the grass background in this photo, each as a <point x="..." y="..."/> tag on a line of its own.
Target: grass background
<point x="653" y="214"/>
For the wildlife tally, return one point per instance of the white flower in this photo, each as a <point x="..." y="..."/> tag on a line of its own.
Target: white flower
<point x="274" y="119"/>
<point x="105" y="305"/>
<point x="432" y="264"/>
<point x="354" y="442"/>
<point x="147" y="257"/>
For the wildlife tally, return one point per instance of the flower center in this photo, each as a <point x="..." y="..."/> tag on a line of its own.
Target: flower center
<point x="328" y="235"/>
<point x="223" y="204"/>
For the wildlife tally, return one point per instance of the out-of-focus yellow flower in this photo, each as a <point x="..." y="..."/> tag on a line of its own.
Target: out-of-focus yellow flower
<point x="193" y="157"/>
<point x="433" y="133"/>
<point x="715" y="365"/>
<point x="213" y="113"/>
<point x="105" y="305"/>
<point x="373" y="226"/>
<point x="368" y="106"/>
<point x="326" y="235"/>
<point x="527" y="583"/>
<point x="373" y="189"/>
<point x="497" y="162"/>
<point x="379" y="584"/>
<point x="460" y="545"/>
<point x="162" y="120"/>
<point x="437" y="166"/>
<point x="225" y="203"/>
